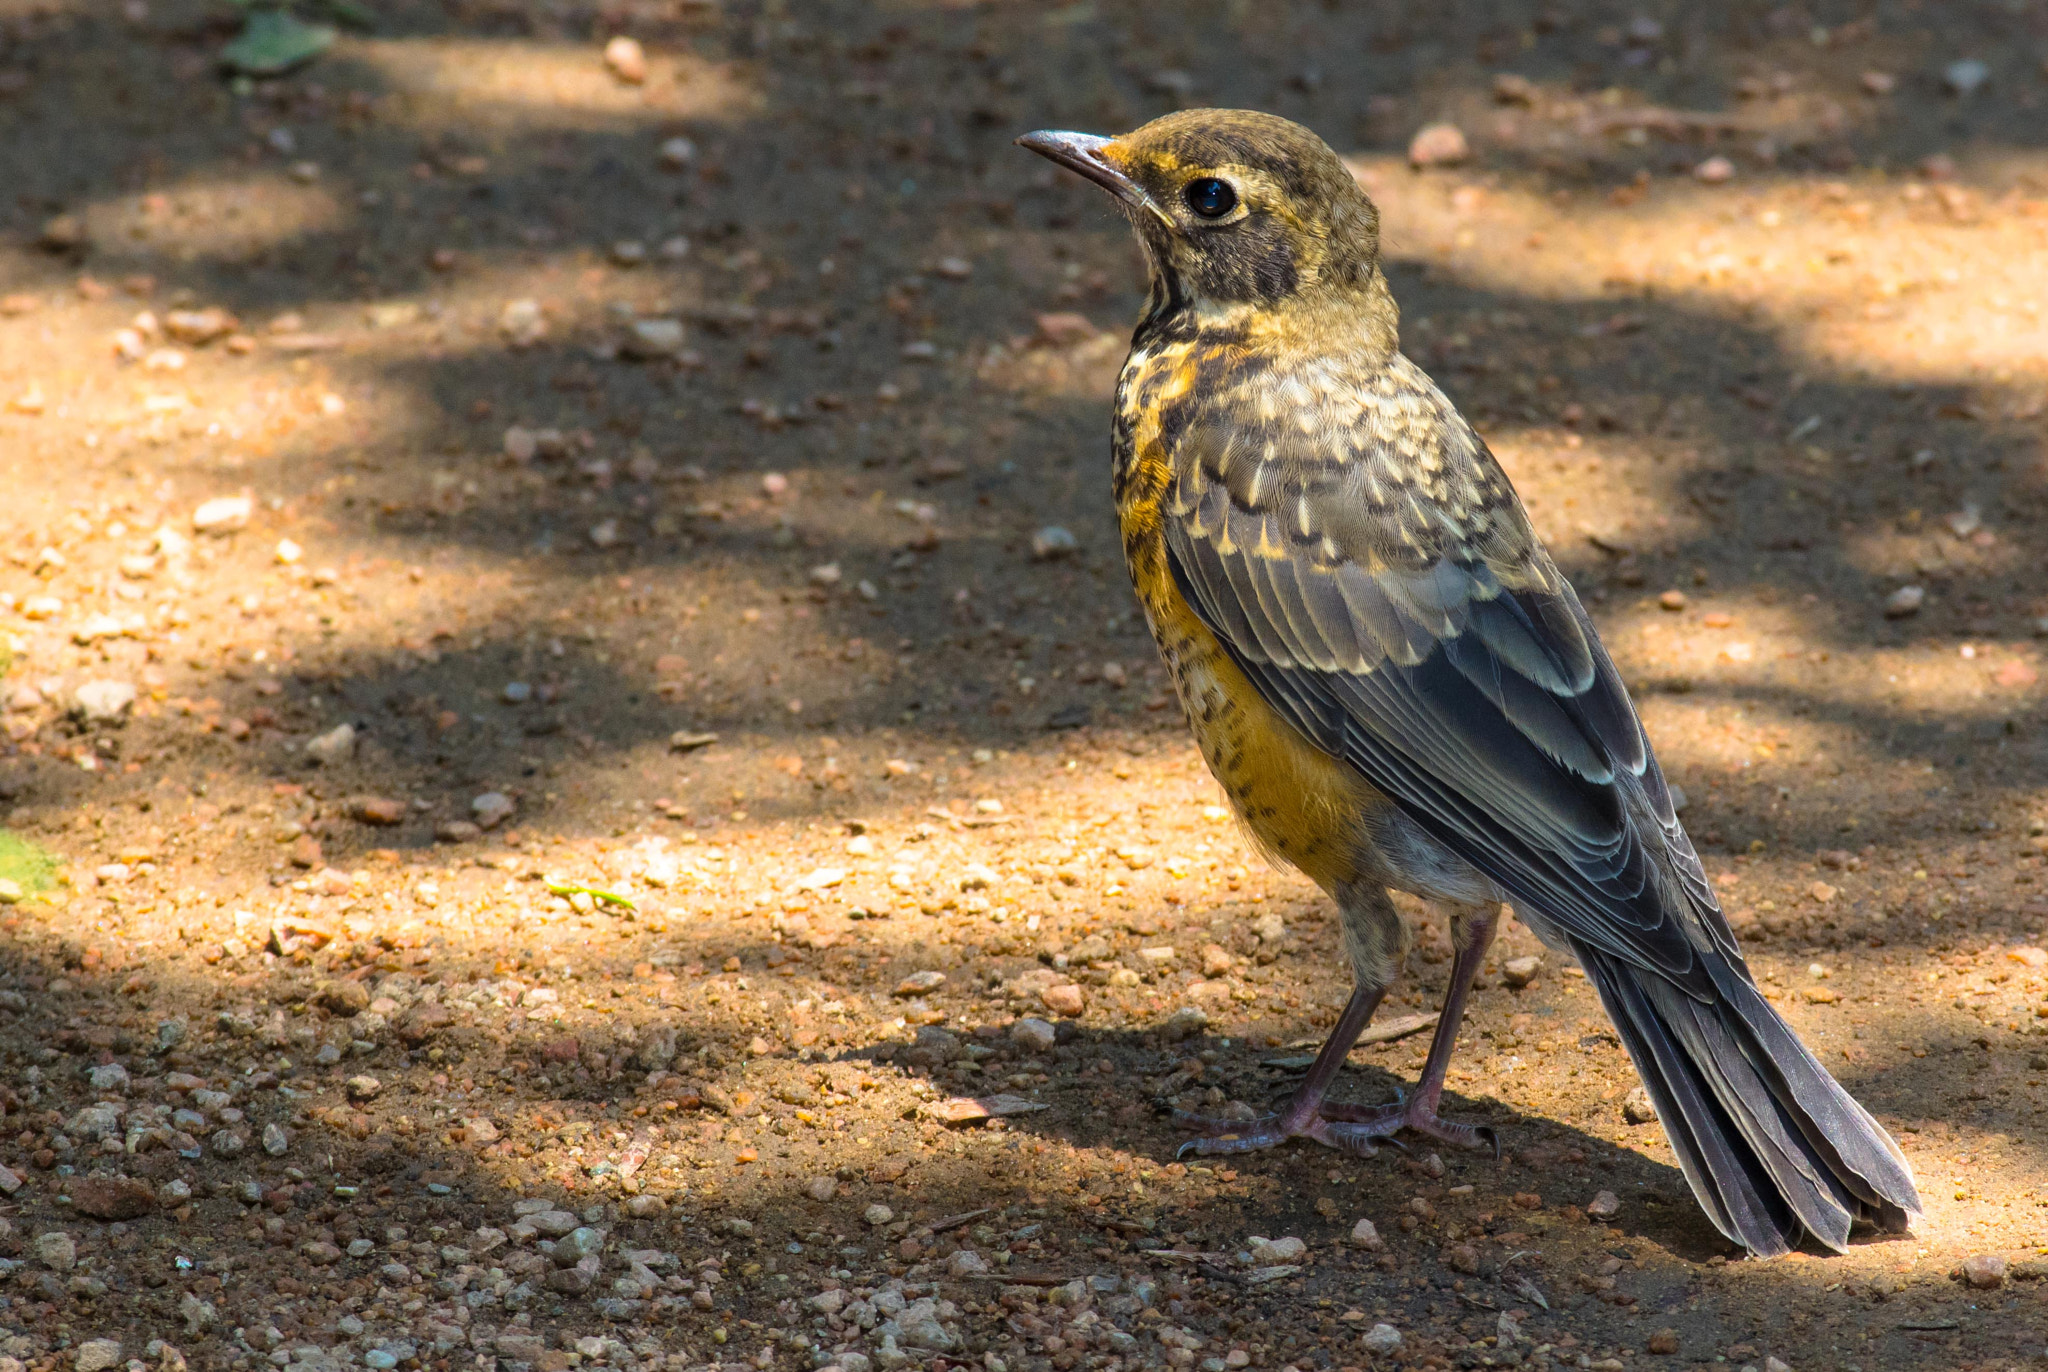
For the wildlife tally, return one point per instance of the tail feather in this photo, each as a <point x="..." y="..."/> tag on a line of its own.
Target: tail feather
<point x="1770" y="1142"/>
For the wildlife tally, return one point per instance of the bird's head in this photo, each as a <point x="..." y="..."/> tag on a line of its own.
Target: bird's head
<point x="1235" y="208"/>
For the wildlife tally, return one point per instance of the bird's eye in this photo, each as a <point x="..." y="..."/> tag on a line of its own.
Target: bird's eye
<point x="1210" y="198"/>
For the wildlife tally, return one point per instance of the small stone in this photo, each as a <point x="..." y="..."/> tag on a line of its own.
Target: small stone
<point x="305" y="851"/>
<point x="516" y="693"/>
<point x="1462" y="1257"/>
<point x="342" y="997"/>
<point x="1365" y="1234"/>
<point x="1672" y="600"/>
<point x="1664" y="1342"/>
<point x="652" y="339"/>
<point x="491" y="809"/>
<point x="627" y="60"/>
<point x="628" y="252"/>
<point x="677" y="153"/>
<point x="223" y="515"/>
<point x="1638" y="1108"/>
<point x="966" y="1263"/>
<point x="1822" y="893"/>
<point x="579" y="1243"/>
<point x="878" y="1214"/>
<point x="112" y="1198"/>
<point x="919" y="983"/>
<point x="1716" y="170"/>
<point x="10" y="1181"/>
<point x="108" y="1078"/>
<point x="1438" y="145"/>
<point x="1266" y="1252"/>
<point x="362" y="1088"/>
<point x="10" y="891"/>
<point x="1216" y="960"/>
<point x="96" y="1355"/>
<point x="103" y="702"/>
<point x="1066" y="999"/>
<point x="198" y="1315"/>
<point x="645" y="1206"/>
<point x="1381" y="1340"/>
<point x="457" y="831"/>
<point x="378" y="810"/>
<point x="335" y="746"/>
<point x="62" y="233"/>
<point x="523" y="323"/>
<point x="1034" y="1034"/>
<point x="1053" y="542"/>
<point x="197" y="328"/>
<point x="1905" y="602"/>
<point x="1184" y="1023"/>
<point x="604" y="534"/>
<point x="1605" y="1205"/>
<point x="822" y="1188"/>
<point x="1879" y="82"/>
<point x="1985" y="1271"/>
<point x="1775" y="1364"/>
<point x="287" y="552"/>
<point x="226" y="1143"/>
<point x="1963" y="77"/>
<point x="55" y="1250"/>
<point x="521" y="444"/>
<point x="275" y="1140"/>
<point x="1519" y="972"/>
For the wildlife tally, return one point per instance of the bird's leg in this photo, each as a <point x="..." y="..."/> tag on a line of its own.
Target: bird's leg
<point x="1417" y="1111"/>
<point x="1304" y="1114"/>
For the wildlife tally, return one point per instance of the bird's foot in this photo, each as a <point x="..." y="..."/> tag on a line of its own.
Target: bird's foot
<point x="1409" y="1114"/>
<point x="1215" y="1136"/>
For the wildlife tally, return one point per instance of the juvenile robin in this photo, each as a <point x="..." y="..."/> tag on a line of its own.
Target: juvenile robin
<point x="1399" y="690"/>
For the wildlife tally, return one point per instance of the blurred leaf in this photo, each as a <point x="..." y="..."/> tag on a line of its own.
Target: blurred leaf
<point x="273" y="42"/>
<point x="597" y="893"/>
<point x="27" y="862"/>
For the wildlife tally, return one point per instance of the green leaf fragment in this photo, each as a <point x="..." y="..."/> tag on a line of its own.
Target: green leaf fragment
<point x="273" y="42"/>
<point x="569" y="888"/>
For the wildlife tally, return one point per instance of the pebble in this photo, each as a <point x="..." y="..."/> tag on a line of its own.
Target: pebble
<point x="919" y="983"/>
<point x="55" y="1250"/>
<point x="1638" y="1108"/>
<point x="1664" y="1342"/>
<point x="1904" y="602"/>
<point x="1964" y="76"/>
<point x="96" y="1355"/>
<point x="1267" y="1251"/>
<point x="516" y="693"/>
<point x="1672" y="600"/>
<point x="1439" y="145"/>
<point x="1034" y="1034"/>
<point x="1365" y="1234"/>
<point x="457" y="831"/>
<point x="335" y="746"/>
<point x="1184" y="1023"/>
<point x="287" y="552"/>
<point x="652" y="339"/>
<point x="522" y="323"/>
<point x="378" y="810"/>
<point x="1985" y="1271"/>
<point x="1053" y="542"/>
<point x="112" y="1198"/>
<point x="822" y="1188"/>
<point x="627" y="59"/>
<point x="1774" y="1364"/>
<point x="1715" y="171"/>
<point x="102" y="702"/>
<point x="1604" y="1205"/>
<point x="365" y="1087"/>
<point x="1381" y="1340"/>
<point x="275" y="1141"/>
<point x="1519" y="972"/>
<point x="223" y="515"/>
<point x="677" y="153"/>
<point x="1066" y="999"/>
<point x="878" y="1214"/>
<point x="491" y="809"/>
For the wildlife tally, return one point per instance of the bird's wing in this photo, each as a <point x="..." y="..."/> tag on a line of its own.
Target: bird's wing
<point x="1382" y="587"/>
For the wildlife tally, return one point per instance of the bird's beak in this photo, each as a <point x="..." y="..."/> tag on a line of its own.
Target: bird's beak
<point x="1083" y="153"/>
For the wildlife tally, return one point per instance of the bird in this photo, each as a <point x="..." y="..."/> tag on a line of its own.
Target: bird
<point x="1398" y="690"/>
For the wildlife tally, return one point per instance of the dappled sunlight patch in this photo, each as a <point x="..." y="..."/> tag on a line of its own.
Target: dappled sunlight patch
<point x="216" y="215"/>
<point x="491" y="89"/>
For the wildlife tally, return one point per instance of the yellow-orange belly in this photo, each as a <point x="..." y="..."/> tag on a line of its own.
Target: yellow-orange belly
<point x="1301" y="805"/>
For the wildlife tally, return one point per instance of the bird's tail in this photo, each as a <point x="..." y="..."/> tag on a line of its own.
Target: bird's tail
<point x="1770" y="1141"/>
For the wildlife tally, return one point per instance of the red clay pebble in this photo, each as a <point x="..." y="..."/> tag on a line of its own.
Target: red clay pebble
<point x="112" y="1198"/>
<point x="1528" y="1200"/>
<point x="376" y="810"/>
<point x="1664" y="1341"/>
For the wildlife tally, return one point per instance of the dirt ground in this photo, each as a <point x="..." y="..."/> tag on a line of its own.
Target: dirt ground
<point x="583" y="788"/>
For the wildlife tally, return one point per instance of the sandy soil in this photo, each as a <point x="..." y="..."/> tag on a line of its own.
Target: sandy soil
<point x="669" y="522"/>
